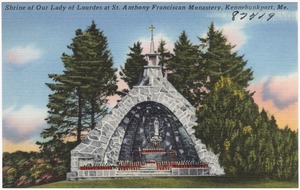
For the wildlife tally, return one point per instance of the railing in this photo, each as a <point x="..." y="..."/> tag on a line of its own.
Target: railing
<point x="153" y="151"/>
<point x="181" y="164"/>
<point x="133" y="166"/>
<point x="191" y="166"/>
<point x="130" y="164"/>
<point x="96" y="167"/>
<point x="128" y="168"/>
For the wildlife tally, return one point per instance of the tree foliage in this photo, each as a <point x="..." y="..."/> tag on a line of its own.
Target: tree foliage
<point x="24" y="169"/>
<point x="80" y="93"/>
<point x="228" y="108"/>
<point x="164" y="55"/>
<point x="78" y="99"/>
<point x="219" y="60"/>
<point x="132" y="71"/>
<point x="249" y="142"/>
<point x="196" y="68"/>
<point x="186" y="71"/>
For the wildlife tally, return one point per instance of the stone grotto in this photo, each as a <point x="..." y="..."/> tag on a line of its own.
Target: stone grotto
<point x="149" y="133"/>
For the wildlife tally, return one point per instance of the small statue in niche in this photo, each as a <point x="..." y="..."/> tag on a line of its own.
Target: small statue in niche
<point x="156" y="139"/>
<point x="156" y="127"/>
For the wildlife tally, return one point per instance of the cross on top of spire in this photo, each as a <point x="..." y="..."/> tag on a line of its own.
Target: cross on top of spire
<point x="151" y="27"/>
<point x="152" y="42"/>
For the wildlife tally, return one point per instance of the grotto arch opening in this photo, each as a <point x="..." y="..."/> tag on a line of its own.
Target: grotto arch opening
<point x="154" y="133"/>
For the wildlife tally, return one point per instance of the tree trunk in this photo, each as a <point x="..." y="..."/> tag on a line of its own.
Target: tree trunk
<point x="93" y="111"/>
<point x="79" y="121"/>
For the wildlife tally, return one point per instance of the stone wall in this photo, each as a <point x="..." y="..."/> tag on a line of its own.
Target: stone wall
<point x="190" y="172"/>
<point x="103" y="144"/>
<point x="98" y="174"/>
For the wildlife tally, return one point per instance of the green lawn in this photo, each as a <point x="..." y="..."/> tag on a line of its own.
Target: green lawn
<point x="173" y="182"/>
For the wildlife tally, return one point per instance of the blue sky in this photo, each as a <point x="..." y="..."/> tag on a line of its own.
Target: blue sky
<point x="33" y="41"/>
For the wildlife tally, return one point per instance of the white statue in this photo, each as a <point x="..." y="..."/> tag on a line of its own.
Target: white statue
<point x="156" y="127"/>
<point x="156" y="138"/>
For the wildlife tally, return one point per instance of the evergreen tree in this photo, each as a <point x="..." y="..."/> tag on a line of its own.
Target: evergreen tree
<point x="80" y="93"/>
<point x="249" y="142"/>
<point x="227" y="109"/>
<point x="134" y="66"/>
<point x="164" y="56"/>
<point x="95" y="59"/>
<point x="186" y="73"/>
<point x="62" y="109"/>
<point x="226" y="125"/>
<point x="219" y="60"/>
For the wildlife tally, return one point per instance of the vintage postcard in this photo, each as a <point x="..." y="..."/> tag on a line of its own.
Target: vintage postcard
<point x="150" y="94"/>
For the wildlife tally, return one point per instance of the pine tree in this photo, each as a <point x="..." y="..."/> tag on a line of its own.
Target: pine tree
<point x="99" y="75"/>
<point x="62" y="109"/>
<point x="186" y="73"/>
<point x="219" y="60"/>
<point x="164" y="56"/>
<point x="80" y="93"/>
<point x="133" y="69"/>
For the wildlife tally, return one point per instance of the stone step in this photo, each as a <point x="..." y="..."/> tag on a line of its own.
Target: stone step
<point x="130" y="173"/>
<point x="150" y="169"/>
<point x="139" y="175"/>
<point x="143" y="174"/>
<point x="146" y="171"/>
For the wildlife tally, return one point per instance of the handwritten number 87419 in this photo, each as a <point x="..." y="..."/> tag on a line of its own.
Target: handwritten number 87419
<point x="258" y="15"/>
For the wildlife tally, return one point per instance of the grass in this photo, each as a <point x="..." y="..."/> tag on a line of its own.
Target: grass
<point x="173" y="182"/>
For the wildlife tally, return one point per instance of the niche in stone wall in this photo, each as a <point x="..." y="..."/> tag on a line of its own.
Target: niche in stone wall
<point x="152" y="126"/>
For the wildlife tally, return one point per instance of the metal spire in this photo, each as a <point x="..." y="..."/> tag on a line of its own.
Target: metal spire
<point x="152" y="42"/>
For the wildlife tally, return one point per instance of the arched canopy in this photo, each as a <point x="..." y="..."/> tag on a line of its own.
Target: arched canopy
<point x="139" y="129"/>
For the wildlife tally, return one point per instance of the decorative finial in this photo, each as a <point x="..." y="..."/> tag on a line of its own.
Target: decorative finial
<point x="152" y="42"/>
<point x="151" y="27"/>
